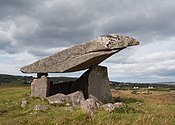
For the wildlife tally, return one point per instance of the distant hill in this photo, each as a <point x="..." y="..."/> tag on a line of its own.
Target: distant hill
<point x="11" y="79"/>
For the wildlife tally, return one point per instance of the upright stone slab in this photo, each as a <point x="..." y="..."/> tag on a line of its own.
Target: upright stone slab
<point x="99" y="84"/>
<point x="81" y="84"/>
<point x="40" y="86"/>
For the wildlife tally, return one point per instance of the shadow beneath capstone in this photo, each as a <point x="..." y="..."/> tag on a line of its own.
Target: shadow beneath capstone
<point x="66" y="88"/>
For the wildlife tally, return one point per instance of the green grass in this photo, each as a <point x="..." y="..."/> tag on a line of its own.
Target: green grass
<point x="157" y="108"/>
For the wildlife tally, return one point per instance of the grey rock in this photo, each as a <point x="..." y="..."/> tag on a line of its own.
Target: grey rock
<point x="33" y="113"/>
<point x="109" y="107"/>
<point x="69" y="109"/>
<point x="23" y="103"/>
<point x="59" y="98"/>
<point x="76" y="98"/>
<point x="40" y="87"/>
<point x="88" y="106"/>
<point x="40" y="107"/>
<point x="95" y="83"/>
<point x="81" y="84"/>
<point x="82" y="56"/>
<point x="99" y="84"/>
<point x="98" y="102"/>
<point x="73" y="99"/>
<point x="118" y="104"/>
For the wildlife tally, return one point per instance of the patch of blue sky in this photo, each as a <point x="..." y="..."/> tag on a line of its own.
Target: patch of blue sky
<point x="6" y="59"/>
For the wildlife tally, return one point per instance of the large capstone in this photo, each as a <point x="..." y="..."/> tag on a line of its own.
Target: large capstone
<point x="82" y="56"/>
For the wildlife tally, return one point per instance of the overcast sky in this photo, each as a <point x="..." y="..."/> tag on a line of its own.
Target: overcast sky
<point x="34" y="29"/>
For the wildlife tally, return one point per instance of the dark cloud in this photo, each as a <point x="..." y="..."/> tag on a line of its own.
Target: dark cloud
<point x="9" y="9"/>
<point x="166" y="72"/>
<point x="4" y="42"/>
<point x="41" y="27"/>
<point x="147" y="21"/>
<point x="61" y="24"/>
<point x="65" y="23"/>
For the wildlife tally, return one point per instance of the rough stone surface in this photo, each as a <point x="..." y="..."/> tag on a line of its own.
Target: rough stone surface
<point x="76" y="98"/>
<point x="81" y="84"/>
<point x="82" y="56"/>
<point x="88" y="106"/>
<point x="98" y="102"/>
<point x="40" y="107"/>
<point x="99" y="84"/>
<point x="40" y="87"/>
<point x="109" y="107"/>
<point x="118" y="104"/>
<point x="23" y="103"/>
<point x="69" y="109"/>
<point x="60" y="99"/>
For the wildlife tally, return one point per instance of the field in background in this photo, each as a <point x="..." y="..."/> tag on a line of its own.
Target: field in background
<point x="153" y="108"/>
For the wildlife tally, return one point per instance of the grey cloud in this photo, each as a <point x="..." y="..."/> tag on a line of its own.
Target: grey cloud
<point x="41" y="27"/>
<point x="166" y="72"/>
<point x="124" y="56"/>
<point x="148" y="21"/>
<point x="39" y="52"/>
<point x="6" y="43"/>
<point x="65" y="23"/>
<point x="59" y="25"/>
<point x="9" y="9"/>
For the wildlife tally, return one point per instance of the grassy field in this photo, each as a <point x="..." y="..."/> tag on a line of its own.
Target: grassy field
<point x="157" y="108"/>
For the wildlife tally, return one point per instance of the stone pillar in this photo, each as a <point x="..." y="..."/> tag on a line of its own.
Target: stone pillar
<point x="98" y="82"/>
<point x="94" y="82"/>
<point x="81" y="84"/>
<point x="40" y="85"/>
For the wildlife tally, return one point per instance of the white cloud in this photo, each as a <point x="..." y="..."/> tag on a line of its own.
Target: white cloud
<point x="154" y="62"/>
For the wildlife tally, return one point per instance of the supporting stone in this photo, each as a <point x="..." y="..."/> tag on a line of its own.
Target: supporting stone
<point x="40" y="86"/>
<point x="94" y="82"/>
<point x="99" y="84"/>
<point x="81" y="84"/>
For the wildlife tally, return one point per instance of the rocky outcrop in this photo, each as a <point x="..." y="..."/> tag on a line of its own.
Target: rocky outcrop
<point x="23" y="103"/>
<point x="40" y="107"/>
<point x="109" y="107"/>
<point x="82" y="56"/>
<point x="75" y="98"/>
<point x="88" y="106"/>
<point x="59" y="99"/>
